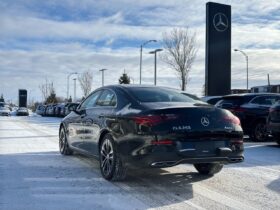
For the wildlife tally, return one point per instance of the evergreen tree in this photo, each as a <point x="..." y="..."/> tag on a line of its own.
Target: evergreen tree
<point x="124" y="79"/>
<point x="2" y="98"/>
<point x="51" y="98"/>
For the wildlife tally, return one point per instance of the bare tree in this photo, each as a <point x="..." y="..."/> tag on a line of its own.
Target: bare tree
<point x="85" y="80"/>
<point x="180" y="52"/>
<point x="203" y="90"/>
<point x="46" y="89"/>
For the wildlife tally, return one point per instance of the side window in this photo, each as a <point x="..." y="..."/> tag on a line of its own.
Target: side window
<point x="90" y="101"/>
<point x="107" y="98"/>
<point x="265" y="100"/>
<point x="272" y="100"/>
<point x="256" y="100"/>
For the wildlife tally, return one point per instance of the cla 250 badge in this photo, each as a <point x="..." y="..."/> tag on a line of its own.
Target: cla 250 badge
<point x="181" y="128"/>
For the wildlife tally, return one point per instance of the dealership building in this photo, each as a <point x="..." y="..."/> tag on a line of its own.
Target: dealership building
<point x="266" y="89"/>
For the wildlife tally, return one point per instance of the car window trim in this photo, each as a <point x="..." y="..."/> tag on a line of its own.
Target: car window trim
<point x="101" y="91"/>
<point x="114" y="95"/>
<point x="79" y="107"/>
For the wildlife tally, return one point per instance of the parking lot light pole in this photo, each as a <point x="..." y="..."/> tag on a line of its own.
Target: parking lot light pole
<point x="141" y="49"/>
<point x="68" y="76"/>
<point x="102" y="70"/>
<point x="155" y="73"/>
<point x="75" y="79"/>
<point x="246" y="57"/>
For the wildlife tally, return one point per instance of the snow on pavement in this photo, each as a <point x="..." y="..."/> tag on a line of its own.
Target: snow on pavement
<point x="33" y="175"/>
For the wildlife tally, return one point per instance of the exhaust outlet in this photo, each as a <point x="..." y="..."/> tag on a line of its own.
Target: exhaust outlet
<point x="163" y="164"/>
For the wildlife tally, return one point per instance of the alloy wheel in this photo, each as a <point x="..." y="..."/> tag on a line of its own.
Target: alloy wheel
<point x="107" y="157"/>
<point x="260" y="132"/>
<point x="62" y="141"/>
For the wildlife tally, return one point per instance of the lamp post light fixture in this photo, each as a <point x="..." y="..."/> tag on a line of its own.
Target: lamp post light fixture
<point x="155" y="52"/>
<point x="102" y="70"/>
<point x="75" y="79"/>
<point x="68" y="76"/>
<point x="141" y="49"/>
<point x="246" y="57"/>
<point x="30" y="100"/>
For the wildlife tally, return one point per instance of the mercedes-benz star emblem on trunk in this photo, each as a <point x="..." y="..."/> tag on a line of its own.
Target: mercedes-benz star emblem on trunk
<point x="205" y="121"/>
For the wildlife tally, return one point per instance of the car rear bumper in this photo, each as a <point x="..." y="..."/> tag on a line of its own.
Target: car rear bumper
<point x="22" y="114"/>
<point x="160" y="156"/>
<point x="273" y="127"/>
<point x="153" y="161"/>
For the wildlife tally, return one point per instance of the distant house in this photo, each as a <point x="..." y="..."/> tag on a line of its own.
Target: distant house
<point x="237" y="91"/>
<point x="266" y="89"/>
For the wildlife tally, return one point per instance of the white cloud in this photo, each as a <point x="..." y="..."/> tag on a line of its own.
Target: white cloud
<point x="53" y="38"/>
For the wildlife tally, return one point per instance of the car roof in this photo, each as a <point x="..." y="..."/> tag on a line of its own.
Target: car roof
<point x="132" y="86"/>
<point x="252" y="94"/>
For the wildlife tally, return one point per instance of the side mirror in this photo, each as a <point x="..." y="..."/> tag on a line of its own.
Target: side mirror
<point x="79" y="111"/>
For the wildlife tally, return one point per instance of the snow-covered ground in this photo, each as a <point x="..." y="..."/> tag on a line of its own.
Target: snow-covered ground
<point x="33" y="175"/>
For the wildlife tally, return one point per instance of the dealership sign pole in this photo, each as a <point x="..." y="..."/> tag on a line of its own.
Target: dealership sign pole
<point x="218" y="49"/>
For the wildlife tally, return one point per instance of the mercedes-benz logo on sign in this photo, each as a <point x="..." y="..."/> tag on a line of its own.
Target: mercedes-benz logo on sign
<point x="205" y="121"/>
<point x="220" y="22"/>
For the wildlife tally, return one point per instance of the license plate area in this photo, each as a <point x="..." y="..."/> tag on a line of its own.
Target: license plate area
<point x="200" y="148"/>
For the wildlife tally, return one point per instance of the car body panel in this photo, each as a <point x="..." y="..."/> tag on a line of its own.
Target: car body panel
<point x="5" y="111"/>
<point x="248" y="108"/>
<point x="273" y="121"/>
<point x="22" y="111"/>
<point x="141" y="145"/>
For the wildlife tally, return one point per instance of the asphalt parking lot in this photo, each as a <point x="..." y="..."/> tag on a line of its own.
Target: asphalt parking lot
<point x="33" y="175"/>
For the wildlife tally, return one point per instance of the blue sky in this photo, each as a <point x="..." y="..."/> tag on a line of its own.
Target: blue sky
<point x="49" y="39"/>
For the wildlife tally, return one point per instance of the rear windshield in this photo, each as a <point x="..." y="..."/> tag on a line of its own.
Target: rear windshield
<point x="152" y="94"/>
<point x="235" y="100"/>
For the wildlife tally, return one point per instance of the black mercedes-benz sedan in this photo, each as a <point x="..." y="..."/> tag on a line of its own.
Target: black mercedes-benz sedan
<point x="127" y="126"/>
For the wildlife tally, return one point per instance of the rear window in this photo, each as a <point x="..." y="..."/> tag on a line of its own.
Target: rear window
<point x="152" y="94"/>
<point x="234" y="100"/>
<point x="213" y="101"/>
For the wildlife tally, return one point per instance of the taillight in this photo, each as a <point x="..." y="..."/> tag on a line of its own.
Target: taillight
<point x="232" y="119"/>
<point x="162" y="142"/>
<point x="239" y="109"/>
<point x="152" y="120"/>
<point x="271" y="109"/>
<point x="237" y="141"/>
<point x="236" y="145"/>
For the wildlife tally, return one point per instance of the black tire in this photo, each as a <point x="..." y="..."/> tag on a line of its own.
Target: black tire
<point x="277" y="138"/>
<point x="259" y="132"/>
<point x="111" y="165"/>
<point x="208" y="168"/>
<point x="63" y="143"/>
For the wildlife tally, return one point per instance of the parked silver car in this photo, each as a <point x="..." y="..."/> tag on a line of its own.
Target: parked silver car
<point x="5" y="111"/>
